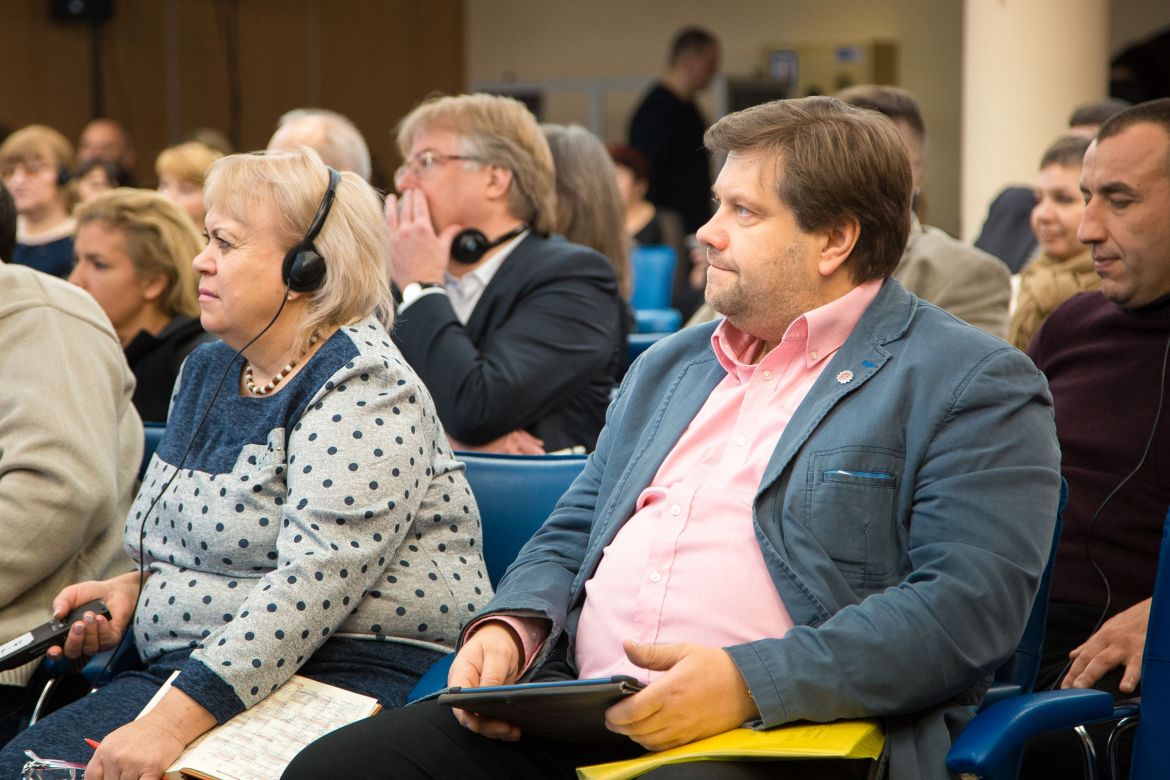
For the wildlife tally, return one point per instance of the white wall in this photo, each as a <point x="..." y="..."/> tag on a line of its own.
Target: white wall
<point x="528" y="40"/>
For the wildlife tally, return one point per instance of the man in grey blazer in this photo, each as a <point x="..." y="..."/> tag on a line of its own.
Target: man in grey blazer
<point x="875" y="478"/>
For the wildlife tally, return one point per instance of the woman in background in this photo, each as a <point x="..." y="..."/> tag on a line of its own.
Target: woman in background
<point x="134" y="250"/>
<point x="35" y="165"/>
<point x="1063" y="266"/>
<point x="307" y="517"/>
<point x="95" y="176"/>
<point x="650" y="225"/>
<point x="181" y="171"/>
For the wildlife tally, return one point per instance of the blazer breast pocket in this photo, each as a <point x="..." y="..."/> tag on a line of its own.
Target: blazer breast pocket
<point x="851" y="508"/>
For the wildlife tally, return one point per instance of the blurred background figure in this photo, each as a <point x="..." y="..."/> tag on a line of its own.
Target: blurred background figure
<point x="338" y="142"/>
<point x="35" y="164"/>
<point x="181" y="170"/>
<point x="108" y="139"/>
<point x="668" y="128"/>
<point x="1063" y="267"/>
<point x="209" y="136"/>
<point x="93" y="177"/>
<point x="7" y="223"/>
<point x="134" y="252"/>
<point x="1007" y="231"/>
<point x="589" y="207"/>
<point x="650" y="225"/>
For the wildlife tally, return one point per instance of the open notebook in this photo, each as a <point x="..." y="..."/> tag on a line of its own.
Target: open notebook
<point x="260" y="742"/>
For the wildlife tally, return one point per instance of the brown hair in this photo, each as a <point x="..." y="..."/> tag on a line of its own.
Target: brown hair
<point x="894" y="102"/>
<point x="589" y="207"/>
<point x="497" y="131"/>
<point x="1154" y="112"/>
<point x="160" y="240"/>
<point x="1068" y="151"/>
<point x="834" y="163"/>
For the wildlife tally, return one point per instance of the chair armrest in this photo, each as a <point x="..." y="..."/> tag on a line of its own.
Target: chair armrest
<point x="999" y="692"/>
<point x="998" y="732"/>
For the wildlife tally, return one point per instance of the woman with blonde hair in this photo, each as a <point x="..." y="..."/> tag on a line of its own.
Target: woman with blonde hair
<point x="181" y="171"/>
<point x="35" y="166"/>
<point x="134" y="250"/>
<point x="303" y="513"/>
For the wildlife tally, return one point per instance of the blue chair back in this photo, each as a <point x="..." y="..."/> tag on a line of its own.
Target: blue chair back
<point x="653" y="268"/>
<point x="515" y="494"/>
<point x="657" y="320"/>
<point x="154" y="434"/>
<point x="1149" y="750"/>
<point x="1020" y="671"/>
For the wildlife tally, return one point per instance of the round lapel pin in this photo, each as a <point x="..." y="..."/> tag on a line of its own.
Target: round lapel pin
<point x="845" y="377"/>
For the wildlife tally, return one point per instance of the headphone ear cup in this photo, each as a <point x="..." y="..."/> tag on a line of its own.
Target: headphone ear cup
<point x="468" y="246"/>
<point x="63" y="176"/>
<point x="304" y="269"/>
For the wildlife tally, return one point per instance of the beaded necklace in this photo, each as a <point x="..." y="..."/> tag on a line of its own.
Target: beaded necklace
<point x="281" y="374"/>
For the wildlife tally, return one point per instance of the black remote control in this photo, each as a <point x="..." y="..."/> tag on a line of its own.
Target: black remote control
<point x="32" y="644"/>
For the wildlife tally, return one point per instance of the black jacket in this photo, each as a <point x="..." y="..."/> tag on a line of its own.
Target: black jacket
<point x="155" y="361"/>
<point x="540" y="351"/>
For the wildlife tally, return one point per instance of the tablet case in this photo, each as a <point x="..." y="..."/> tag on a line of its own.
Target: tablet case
<point x="569" y="710"/>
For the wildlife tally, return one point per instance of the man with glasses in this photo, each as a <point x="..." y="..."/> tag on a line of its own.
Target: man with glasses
<point x="516" y="333"/>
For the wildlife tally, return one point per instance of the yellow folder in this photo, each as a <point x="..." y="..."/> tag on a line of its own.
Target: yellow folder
<point x="842" y="739"/>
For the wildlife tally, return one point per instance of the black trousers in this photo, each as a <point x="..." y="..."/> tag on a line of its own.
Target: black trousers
<point x="424" y="740"/>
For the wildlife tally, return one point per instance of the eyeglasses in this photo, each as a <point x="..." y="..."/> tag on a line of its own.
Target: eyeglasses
<point x="31" y="165"/>
<point x="424" y="162"/>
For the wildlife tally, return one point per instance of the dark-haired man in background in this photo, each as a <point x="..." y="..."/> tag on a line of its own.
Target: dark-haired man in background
<point x="668" y="128"/>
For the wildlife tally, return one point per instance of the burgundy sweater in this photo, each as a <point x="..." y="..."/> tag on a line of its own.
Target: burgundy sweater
<point x="1104" y="365"/>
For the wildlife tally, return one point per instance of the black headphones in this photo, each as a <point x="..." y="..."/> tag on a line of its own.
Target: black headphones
<point x="471" y="244"/>
<point x="63" y="176"/>
<point x="303" y="269"/>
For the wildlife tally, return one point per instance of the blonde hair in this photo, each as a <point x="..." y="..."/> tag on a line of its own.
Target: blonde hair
<point x="188" y="161"/>
<point x="589" y="207"/>
<point x="498" y="131"/>
<point x="42" y="143"/>
<point x="288" y="187"/>
<point x="161" y="240"/>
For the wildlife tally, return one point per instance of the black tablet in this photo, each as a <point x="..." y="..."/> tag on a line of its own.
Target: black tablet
<point x="565" y="709"/>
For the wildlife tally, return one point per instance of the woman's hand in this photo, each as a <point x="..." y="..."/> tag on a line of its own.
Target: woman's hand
<point x="145" y="748"/>
<point x="94" y="633"/>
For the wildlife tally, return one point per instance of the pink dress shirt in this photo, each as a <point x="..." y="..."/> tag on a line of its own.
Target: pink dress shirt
<point x="686" y="567"/>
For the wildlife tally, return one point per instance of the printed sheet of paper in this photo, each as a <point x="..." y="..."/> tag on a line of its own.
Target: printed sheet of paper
<point x="259" y="743"/>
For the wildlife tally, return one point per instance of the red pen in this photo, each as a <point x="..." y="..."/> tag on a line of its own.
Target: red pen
<point x="93" y="743"/>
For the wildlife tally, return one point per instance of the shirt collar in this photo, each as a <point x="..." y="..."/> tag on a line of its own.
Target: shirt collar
<point x="484" y="273"/>
<point x="817" y="334"/>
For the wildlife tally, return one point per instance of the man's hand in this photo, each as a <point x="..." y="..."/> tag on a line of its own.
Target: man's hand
<point x="1120" y="641"/>
<point x="701" y="694"/>
<point x="417" y="253"/>
<point x="518" y="442"/>
<point x="94" y="633"/>
<point x="491" y="656"/>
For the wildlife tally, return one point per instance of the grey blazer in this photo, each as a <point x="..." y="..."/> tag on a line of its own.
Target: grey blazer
<point x="905" y="517"/>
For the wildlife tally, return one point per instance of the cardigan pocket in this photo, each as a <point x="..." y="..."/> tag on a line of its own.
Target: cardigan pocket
<point x="851" y="496"/>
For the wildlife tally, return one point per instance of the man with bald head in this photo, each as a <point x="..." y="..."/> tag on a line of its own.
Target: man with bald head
<point x="329" y="134"/>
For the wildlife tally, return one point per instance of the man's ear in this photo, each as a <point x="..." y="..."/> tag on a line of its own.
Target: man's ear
<point x="837" y="245"/>
<point x="499" y="181"/>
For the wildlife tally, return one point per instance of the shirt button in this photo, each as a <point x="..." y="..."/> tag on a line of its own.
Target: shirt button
<point x="655" y="576"/>
<point x="742" y="440"/>
<point x="676" y="510"/>
<point x="815" y="355"/>
<point x="767" y="376"/>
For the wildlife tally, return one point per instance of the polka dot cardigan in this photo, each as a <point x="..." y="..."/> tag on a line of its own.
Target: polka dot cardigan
<point x="331" y="508"/>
